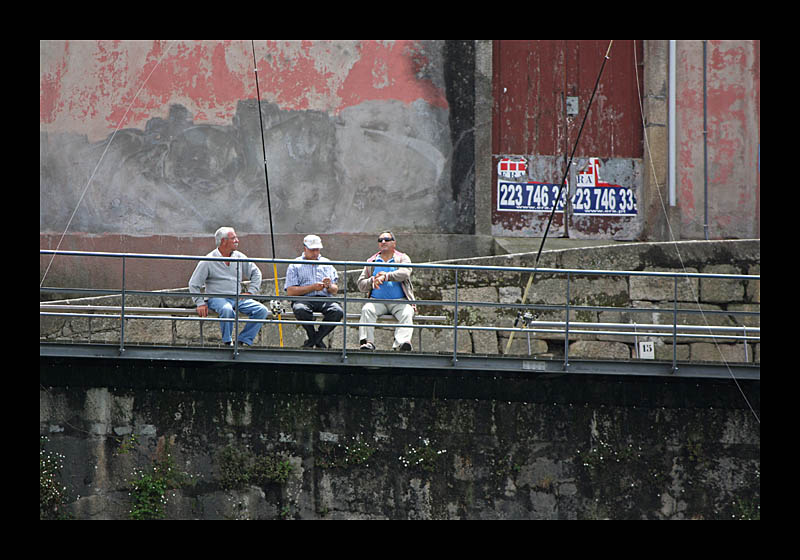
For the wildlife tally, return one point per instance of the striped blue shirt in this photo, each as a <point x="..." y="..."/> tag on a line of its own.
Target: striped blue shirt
<point x="305" y="274"/>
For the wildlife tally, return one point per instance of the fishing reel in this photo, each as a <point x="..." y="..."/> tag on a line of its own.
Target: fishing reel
<point x="527" y="318"/>
<point x="276" y="307"/>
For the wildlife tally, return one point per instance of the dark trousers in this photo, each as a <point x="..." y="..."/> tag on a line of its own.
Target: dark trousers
<point x="304" y="311"/>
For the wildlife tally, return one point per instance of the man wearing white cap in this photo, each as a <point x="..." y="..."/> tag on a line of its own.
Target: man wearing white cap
<point x="318" y="283"/>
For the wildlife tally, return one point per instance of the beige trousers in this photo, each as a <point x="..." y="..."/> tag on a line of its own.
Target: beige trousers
<point x="403" y="312"/>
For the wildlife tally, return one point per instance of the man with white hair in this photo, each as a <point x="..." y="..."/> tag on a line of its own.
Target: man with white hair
<point x="316" y="281"/>
<point x="222" y="279"/>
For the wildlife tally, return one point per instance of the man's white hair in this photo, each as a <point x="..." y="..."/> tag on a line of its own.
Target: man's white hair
<point x="222" y="233"/>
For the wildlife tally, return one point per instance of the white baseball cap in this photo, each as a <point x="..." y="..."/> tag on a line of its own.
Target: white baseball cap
<point x="312" y="242"/>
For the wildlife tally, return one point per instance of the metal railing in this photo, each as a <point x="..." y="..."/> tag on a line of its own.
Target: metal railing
<point x="525" y="313"/>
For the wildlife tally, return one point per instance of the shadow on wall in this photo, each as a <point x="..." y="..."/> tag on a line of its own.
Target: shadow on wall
<point x="372" y="164"/>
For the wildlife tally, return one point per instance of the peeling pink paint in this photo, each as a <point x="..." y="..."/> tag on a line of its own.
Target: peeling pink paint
<point x="90" y="88"/>
<point x="290" y="81"/>
<point x="50" y="89"/>
<point x="196" y="75"/>
<point x="732" y="105"/>
<point x="389" y="72"/>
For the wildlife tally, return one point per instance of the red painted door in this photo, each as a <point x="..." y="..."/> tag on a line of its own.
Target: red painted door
<point x="541" y="92"/>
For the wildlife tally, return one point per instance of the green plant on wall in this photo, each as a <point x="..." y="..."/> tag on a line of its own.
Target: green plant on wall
<point x="351" y="451"/>
<point x="127" y="444"/>
<point x="148" y="489"/>
<point x="148" y="494"/>
<point x="748" y="509"/>
<point x="52" y="494"/>
<point x="422" y="456"/>
<point x="240" y="467"/>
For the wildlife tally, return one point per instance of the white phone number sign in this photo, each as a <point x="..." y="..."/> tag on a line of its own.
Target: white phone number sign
<point x="602" y="200"/>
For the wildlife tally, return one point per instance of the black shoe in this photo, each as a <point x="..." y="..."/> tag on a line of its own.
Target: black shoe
<point x="320" y="344"/>
<point x="308" y="344"/>
<point x="405" y="347"/>
<point x="367" y="346"/>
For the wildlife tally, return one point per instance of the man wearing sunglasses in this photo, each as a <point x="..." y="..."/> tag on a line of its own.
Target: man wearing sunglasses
<point x="389" y="285"/>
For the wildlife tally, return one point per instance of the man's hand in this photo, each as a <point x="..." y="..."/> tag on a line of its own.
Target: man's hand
<point x="202" y="310"/>
<point x="296" y="291"/>
<point x="378" y="279"/>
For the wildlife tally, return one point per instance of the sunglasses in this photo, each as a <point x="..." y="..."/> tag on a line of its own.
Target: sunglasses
<point x="382" y="239"/>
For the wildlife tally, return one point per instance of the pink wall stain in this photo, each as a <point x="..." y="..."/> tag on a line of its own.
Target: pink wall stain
<point x="92" y="88"/>
<point x="389" y="72"/>
<point x="733" y="180"/>
<point x="50" y="89"/>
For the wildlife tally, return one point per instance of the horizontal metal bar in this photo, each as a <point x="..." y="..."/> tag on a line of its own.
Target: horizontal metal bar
<point x="558" y="271"/>
<point x="418" y="326"/>
<point x="644" y="326"/>
<point x="53" y="309"/>
<point x="76" y="311"/>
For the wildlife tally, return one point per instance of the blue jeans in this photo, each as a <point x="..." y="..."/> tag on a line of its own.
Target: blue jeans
<point x="250" y="307"/>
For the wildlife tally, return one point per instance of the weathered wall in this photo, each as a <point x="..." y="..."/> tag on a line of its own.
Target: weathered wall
<point x="533" y="82"/>
<point x="530" y="120"/>
<point x="733" y="106"/>
<point x="360" y="135"/>
<point x="399" y="445"/>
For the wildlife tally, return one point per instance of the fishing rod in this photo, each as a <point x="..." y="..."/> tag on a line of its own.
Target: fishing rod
<point x="560" y="188"/>
<point x="266" y="181"/>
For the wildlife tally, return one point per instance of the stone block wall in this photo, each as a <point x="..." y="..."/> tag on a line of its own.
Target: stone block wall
<point x="233" y="441"/>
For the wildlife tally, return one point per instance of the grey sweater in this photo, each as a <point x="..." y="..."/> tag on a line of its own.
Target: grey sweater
<point x="220" y="278"/>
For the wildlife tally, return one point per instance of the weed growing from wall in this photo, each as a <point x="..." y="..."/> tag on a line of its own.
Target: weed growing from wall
<point x="422" y="456"/>
<point x="127" y="445"/>
<point x="239" y="467"/>
<point x="148" y="490"/>
<point x="52" y="494"/>
<point x="350" y="452"/>
<point x="148" y="494"/>
<point x="746" y="509"/>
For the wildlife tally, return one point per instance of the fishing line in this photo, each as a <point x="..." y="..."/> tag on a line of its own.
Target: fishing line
<point x="674" y="241"/>
<point x="102" y="156"/>
<point x="560" y="188"/>
<point x="266" y="181"/>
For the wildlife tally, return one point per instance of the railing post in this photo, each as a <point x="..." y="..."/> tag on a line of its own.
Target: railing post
<point x="675" y="327"/>
<point x="344" y="327"/>
<point x="744" y="329"/>
<point x="455" y="321"/>
<point x="566" y="329"/>
<point x="122" y="312"/>
<point x="235" y="333"/>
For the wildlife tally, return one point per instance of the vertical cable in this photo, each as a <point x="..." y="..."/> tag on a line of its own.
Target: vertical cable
<point x="266" y="181"/>
<point x="560" y="189"/>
